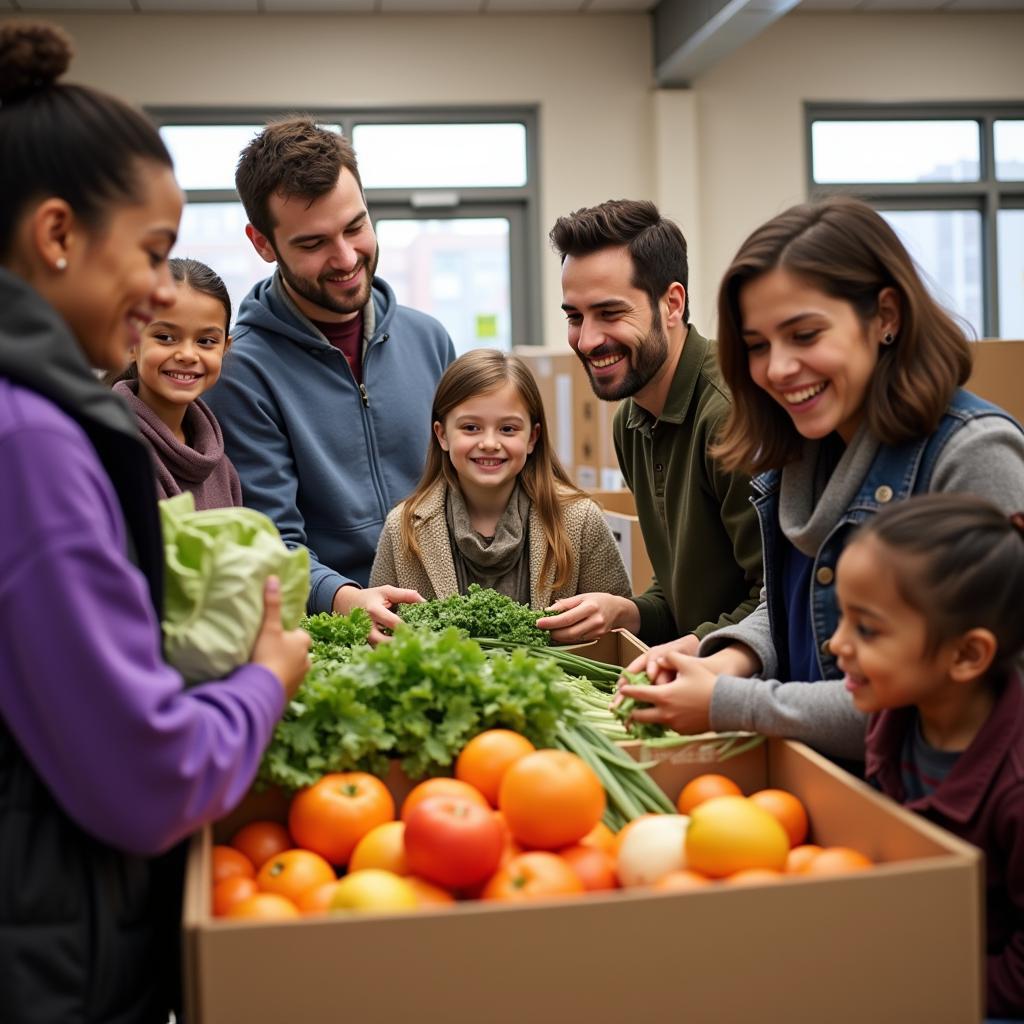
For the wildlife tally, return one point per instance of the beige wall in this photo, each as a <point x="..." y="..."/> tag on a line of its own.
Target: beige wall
<point x="590" y="76"/>
<point x="750" y="106"/>
<point x="720" y="157"/>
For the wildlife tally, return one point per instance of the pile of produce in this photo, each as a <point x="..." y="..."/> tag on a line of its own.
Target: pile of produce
<point x="515" y="824"/>
<point x="481" y="612"/>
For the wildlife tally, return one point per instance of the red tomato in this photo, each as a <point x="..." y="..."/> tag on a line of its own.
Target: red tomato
<point x="452" y="842"/>
<point x="441" y="786"/>
<point x="332" y="815"/>
<point x="595" y="867"/>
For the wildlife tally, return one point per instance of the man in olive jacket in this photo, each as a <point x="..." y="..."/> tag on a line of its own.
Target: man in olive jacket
<point x="624" y="280"/>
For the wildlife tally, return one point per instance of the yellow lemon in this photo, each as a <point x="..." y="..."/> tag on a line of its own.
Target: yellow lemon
<point x="730" y="833"/>
<point x="373" y="891"/>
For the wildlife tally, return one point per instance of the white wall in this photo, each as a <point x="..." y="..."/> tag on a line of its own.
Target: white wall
<point x="720" y="157"/>
<point x="591" y="77"/>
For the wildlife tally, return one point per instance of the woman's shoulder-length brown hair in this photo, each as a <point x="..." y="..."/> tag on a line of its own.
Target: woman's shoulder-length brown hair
<point x="849" y="251"/>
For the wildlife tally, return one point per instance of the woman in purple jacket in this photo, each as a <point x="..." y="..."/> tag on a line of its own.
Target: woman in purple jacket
<point x="106" y="762"/>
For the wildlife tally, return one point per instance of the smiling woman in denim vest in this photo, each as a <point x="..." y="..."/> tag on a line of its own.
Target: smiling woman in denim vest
<point x="846" y="377"/>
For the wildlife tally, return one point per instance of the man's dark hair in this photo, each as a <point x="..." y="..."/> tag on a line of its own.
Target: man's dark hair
<point x="656" y="245"/>
<point x="296" y="158"/>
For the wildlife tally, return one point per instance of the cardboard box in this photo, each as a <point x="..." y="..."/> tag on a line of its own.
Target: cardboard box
<point x="998" y="374"/>
<point x="620" y="512"/>
<point x="901" y="942"/>
<point x="595" y="462"/>
<point x="560" y="378"/>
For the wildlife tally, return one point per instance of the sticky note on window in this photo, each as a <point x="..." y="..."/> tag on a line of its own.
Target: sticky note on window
<point x="486" y="325"/>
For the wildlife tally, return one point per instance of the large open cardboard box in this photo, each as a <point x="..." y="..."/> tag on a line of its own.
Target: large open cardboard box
<point x="899" y="943"/>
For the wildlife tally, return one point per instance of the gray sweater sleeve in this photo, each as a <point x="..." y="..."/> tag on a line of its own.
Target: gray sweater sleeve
<point x="752" y="631"/>
<point x="819" y="714"/>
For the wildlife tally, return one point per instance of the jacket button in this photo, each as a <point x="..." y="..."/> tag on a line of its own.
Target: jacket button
<point x="883" y="494"/>
<point x="825" y="649"/>
<point x="658" y="467"/>
<point x="825" y="575"/>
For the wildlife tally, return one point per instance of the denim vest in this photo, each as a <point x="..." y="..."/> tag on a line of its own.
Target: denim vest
<point x="896" y="473"/>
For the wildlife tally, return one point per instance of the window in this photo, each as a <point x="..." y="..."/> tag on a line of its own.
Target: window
<point x="452" y="196"/>
<point x="950" y="180"/>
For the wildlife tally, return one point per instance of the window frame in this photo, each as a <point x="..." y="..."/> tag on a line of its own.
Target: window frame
<point x="986" y="196"/>
<point x="520" y="205"/>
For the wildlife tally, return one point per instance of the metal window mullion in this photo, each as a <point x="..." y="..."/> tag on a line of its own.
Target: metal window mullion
<point x="989" y="228"/>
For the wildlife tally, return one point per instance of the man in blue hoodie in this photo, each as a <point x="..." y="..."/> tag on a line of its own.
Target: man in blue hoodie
<point x="325" y="401"/>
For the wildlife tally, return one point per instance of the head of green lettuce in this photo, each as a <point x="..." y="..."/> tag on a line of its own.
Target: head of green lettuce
<point x="217" y="562"/>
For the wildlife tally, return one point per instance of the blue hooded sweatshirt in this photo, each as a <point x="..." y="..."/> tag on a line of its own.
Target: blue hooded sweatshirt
<point x="324" y="457"/>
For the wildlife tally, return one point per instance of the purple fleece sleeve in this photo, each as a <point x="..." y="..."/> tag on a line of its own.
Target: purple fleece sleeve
<point x="129" y="754"/>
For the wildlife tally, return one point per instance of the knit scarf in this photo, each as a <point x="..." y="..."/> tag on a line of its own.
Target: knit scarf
<point x="501" y="563"/>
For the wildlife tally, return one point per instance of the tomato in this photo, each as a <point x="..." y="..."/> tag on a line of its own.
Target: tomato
<point x="441" y="787"/>
<point x="318" y="899"/>
<point x="595" y="867"/>
<point x="261" y="840"/>
<point x="453" y="842"/>
<point x="601" y="837"/>
<point x="229" y="891"/>
<point x="681" y="881"/>
<point x="836" y="860"/>
<point x="373" y="891"/>
<point x="382" y="847"/>
<point x="428" y="894"/>
<point x="800" y="856"/>
<point x="729" y="833"/>
<point x="264" y="906"/>
<point x="550" y="799"/>
<point x="652" y="848"/>
<point x="332" y="815"/>
<point x="293" y="873"/>
<point x="229" y="863"/>
<point x="786" y="809"/>
<point x="536" y="875"/>
<point x="754" y="876"/>
<point x="704" y="787"/>
<point x="485" y="759"/>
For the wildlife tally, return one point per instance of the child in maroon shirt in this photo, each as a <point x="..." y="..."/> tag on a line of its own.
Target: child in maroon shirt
<point x="931" y="593"/>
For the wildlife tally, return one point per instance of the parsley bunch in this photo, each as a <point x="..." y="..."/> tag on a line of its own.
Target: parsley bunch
<point x="480" y="613"/>
<point x="421" y="697"/>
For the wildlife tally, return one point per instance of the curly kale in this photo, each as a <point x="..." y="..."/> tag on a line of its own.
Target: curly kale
<point x="480" y="613"/>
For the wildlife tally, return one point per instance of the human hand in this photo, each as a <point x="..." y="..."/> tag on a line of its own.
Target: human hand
<point x="377" y="602"/>
<point x="588" y="616"/>
<point x="681" y="699"/>
<point x="648" y="661"/>
<point x="285" y="652"/>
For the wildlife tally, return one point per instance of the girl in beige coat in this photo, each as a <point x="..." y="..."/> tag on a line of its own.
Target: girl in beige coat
<point x="494" y="505"/>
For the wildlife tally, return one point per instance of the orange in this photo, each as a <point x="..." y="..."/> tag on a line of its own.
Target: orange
<point x="550" y="799"/>
<point x="601" y="837"/>
<point x="229" y="863"/>
<point x="428" y="894"/>
<point x="382" y="847"/>
<point x="786" y="809"/>
<point x="485" y="759"/>
<point x="264" y="906"/>
<point x="595" y="867"/>
<point x="704" y="787"/>
<point x="680" y="881"/>
<point x="229" y="891"/>
<point x="293" y="872"/>
<point x="261" y="840"/>
<point x="729" y="833"/>
<point x="837" y="860"/>
<point x="754" y="876"/>
<point x="536" y="875"/>
<point x="441" y="786"/>
<point x="800" y="856"/>
<point x="318" y="899"/>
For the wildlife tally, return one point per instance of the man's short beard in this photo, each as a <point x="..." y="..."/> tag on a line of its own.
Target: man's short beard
<point x="645" y="362"/>
<point x="315" y="292"/>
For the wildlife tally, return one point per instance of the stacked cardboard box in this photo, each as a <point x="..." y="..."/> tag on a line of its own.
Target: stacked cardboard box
<point x="620" y="513"/>
<point x="998" y="374"/>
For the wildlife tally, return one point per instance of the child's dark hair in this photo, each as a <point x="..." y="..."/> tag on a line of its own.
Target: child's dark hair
<point x="203" y="279"/>
<point x="960" y="563"/>
<point x="68" y="141"/>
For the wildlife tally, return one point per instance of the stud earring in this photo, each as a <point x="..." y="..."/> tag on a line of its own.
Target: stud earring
<point x="888" y="338"/>
<point x="61" y="263"/>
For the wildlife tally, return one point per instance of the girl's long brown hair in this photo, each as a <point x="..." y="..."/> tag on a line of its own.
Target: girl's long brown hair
<point x="849" y="251"/>
<point x="545" y="482"/>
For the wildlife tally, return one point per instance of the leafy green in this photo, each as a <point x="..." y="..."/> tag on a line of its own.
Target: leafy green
<point x="480" y="613"/>
<point x="626" y="707"/>
<point x="216" y="564"/>
<point x="419" y="697"/>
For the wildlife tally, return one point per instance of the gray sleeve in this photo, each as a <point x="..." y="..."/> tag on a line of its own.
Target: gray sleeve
<point x="753" y="631"/>
<point x="819" y="714"/>
<point x="984" y="457"/>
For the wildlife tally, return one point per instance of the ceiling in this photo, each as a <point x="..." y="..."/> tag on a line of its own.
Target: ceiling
<point x="465" y="6"/>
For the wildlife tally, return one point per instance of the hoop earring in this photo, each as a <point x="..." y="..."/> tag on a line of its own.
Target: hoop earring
<point x="888" y="338"/>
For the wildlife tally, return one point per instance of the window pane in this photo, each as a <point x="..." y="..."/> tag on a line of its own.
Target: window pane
<point x="946" y="245"/>
<point x="1009" y="150"/>
<point x="441" y="155"/>
<point x="894" y="151"/>
<point x="215" y="234"/>
<point x="206" y="155"/>
<point x="457" y="270"/>
<point x="1010" y="228"/>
